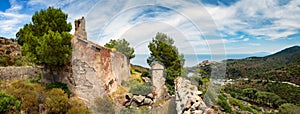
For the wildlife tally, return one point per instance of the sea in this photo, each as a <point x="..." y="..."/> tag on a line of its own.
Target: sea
<point x="194" y="59"/>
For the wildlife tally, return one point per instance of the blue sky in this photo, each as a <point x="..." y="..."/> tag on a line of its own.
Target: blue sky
<point x="198" y="26"/>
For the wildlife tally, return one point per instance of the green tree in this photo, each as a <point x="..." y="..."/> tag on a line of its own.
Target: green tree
<point x="46" y="40"/>
<point x="163" y="50"/>
<point x="121" y="45"/>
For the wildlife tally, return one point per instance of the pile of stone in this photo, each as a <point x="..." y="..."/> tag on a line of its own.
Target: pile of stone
<point x="188" y="100"/>
<point x="138" y="100"/>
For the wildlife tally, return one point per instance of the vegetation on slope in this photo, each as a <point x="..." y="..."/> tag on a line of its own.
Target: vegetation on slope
<point x="281" y="66"/>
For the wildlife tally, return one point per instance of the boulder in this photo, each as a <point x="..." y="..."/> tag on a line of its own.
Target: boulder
<point x="127" y="103"/>
<point x="146" y="79"/>
<point x="150" y="95"/>
<point x="128" y="96"/>
<point x="195" y="106"/>
<point x="199" y="93"/>
<point x="147" y="101"/>
<point x="197" y="112"/>
<point x="138" y="98"/>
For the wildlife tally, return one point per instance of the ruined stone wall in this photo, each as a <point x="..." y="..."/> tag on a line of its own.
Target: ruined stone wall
<point x="12" y="73"/>
<point x="95" y="70"/>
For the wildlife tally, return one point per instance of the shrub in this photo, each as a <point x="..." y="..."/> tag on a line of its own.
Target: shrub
<point x="142" y="89"/>
<point x="76" y="106"/>
<point x="104" y="105"/>
<point x="60" y="85"/>
<point x="288" y="108"/>
<point x="146" y="74"/>
<point x="56" y="101"/>
<point x="8" y="103"/>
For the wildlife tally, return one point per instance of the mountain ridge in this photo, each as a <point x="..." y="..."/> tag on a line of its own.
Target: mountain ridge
<point x="280" y="66"/>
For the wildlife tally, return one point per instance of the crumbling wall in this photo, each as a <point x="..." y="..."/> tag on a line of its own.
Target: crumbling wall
<point x="12" y="73"/>
<point x="95" y="70"/>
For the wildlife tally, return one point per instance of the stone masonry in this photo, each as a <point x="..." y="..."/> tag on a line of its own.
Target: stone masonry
<point x="159" y="90"/>
<point x="95" y="70"/>
<point x="13" y="72"/>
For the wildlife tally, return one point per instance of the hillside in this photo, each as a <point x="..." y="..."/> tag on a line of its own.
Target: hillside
<point x="9" y="52"/>
<point x="281" y="66"/>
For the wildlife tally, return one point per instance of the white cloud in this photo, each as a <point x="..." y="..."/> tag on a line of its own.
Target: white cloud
<point x="246" y="39"/>
<point x="258" y="17"/>
<point x="11" y="19"/>
<point x="254" y="44"/>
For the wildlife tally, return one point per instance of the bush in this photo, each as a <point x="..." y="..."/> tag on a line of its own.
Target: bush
<point x="56" y="101"/>
<point x="8" y="103"/>
<point x="288" y="108"/>
<point x="146" y="74"/>
<point x="104" y="105"/>
<point x="60" y="85"/>
<point x="76" y="106"/>
<point x="143" y="89"/>
<point x="30" y="95"/>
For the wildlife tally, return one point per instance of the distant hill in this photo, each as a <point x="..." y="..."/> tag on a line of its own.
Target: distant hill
<point x="281" y="66"/>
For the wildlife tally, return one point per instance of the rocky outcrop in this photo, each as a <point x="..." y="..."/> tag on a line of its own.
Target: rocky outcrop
<point x="9" y="47"/>
<point x="188" y="100"/>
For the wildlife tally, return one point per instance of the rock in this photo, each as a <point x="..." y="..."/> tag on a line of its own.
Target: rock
<point x="197" y="112"/>
<point x="188" y="104"/>
<point x="187" y="112"/>
<point x="209" y="111"/>
<point x="146" y="79"/>
<point x="147" y="101"/>
<point x="199" y="93"/>
<point x="138" y="98"/>
<point x="187" y="97"/>
<point x="202" y="105"/>
<point x="128" y="103"/>
<point x="150" y="95"/>
<point x="195" y="106"/>
<point x="128" y="96"/>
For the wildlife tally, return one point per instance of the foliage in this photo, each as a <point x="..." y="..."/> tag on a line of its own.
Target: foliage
<point x="46" y="40"/>
<point x="121" y="45"/>
<point x="104" y="105"/>
<point x="56" y="101"/>
<point x="269" y="94"/>
<point x="134" y="111"/>
<point x="281" y="66"/>
<point x="30" y="95"/>
<point x="146" y="74"/>
<point x="163" y="51"/>
<point x="288" y="108"/>
<point x="8" y="103"/>
<point x="61" y="86"/>
<point x="223" y="103"/>
<point x="76" y="106"/>
<point x="141" y="89"/>
<point x="6" y="60"/>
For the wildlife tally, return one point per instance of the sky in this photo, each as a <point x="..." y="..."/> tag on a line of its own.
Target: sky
<point x="197" y="26"/>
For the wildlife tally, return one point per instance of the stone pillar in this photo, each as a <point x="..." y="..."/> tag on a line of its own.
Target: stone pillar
<point x="80" y="28"/>
<point x="159" y="90"/>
